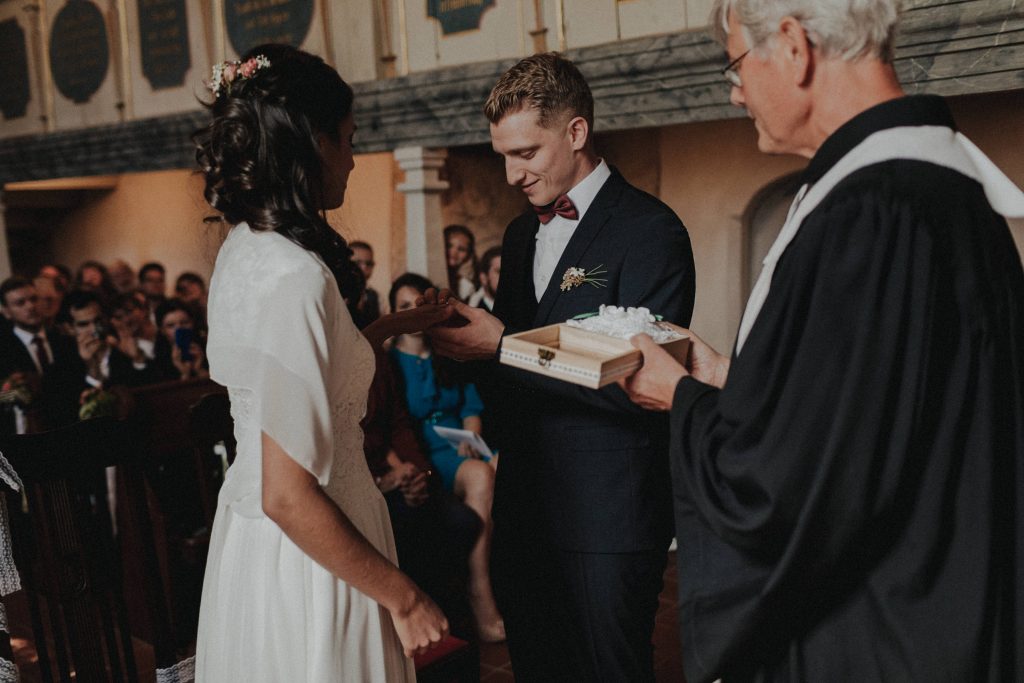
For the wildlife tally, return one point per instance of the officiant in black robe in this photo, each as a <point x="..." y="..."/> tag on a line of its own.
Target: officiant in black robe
<point x="849" y="488"/>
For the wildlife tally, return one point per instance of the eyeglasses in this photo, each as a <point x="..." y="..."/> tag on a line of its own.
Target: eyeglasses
<point x="731" y="73"/>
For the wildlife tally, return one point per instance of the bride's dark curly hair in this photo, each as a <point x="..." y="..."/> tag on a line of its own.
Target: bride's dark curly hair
<point x="261" y="157"/>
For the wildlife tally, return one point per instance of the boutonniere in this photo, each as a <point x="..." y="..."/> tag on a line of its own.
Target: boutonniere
<point x="574" y="277"/>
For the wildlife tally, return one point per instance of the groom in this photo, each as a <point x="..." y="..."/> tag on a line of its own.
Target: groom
<point x="582" y="510"/>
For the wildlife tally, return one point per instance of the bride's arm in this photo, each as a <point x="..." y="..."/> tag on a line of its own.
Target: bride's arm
<point x="293" y="499"/>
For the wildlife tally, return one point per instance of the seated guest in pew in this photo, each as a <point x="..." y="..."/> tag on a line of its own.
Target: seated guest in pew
<point x="37" y="357"/>
<point x="460" y="256"/>
<point x="180" y="341"/>
<point x="433" y="398"/>
<point x="191" y="288"/>
<point x="153" y="283"/>
<point x="490" y="273"/>
<point x="123" y="276"/>
<point x="92" y="276"/>
<point x="130" y="318"/>
<point x="434" y="531"/>
<point x="102" y="361"/>
<point x="849" y="484"/>
<point x="368" y="308"/>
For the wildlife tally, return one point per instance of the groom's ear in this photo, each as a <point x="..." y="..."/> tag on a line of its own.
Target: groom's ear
<point x="579" y="132"/>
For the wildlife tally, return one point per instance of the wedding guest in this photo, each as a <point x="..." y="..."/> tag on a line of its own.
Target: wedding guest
<point x="50" y="297"/>
<point x="369" y="305"/>
<point x="582" y="504"/>
<point x="123" y="276"/>
<point x="92" y="276"/>
<point x="848" y="484"/>
<point x="460" y="256"/>
<point x="191" y="288"/>
<point x="434" y="531"/>
<point x="490" y="273"/>
<point x="179" y="349"/>
<point x="103" y="364"/>
<point x="153" y="283"/>
<point x="301" y="583"/>
<point x="131" y="322"/>
<point x="36" y="356"/>
<point x="60" y="274"/>
<point x="435" y="398"/>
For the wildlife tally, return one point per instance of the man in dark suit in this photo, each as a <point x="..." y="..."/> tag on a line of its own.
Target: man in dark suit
<point x="101" y="362"/>
<point x="582" y="511"/>
<point x="43" y="357"/>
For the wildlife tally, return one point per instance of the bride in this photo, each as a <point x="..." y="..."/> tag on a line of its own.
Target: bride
<point x="301" y="582"/>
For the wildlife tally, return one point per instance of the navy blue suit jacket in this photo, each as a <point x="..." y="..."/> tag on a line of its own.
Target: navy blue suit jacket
<point x="587" y="470"/>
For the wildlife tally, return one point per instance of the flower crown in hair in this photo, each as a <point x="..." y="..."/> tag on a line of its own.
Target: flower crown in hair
<point x="226" y="72"/>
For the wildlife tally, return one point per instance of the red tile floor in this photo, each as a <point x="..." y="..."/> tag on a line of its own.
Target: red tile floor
<point x="494" y="662"/>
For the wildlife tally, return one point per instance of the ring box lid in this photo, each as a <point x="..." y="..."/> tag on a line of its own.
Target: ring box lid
<point x="578" y="356"/>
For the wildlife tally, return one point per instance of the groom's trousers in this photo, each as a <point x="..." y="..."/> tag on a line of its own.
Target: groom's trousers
<point x="573" y="616"/>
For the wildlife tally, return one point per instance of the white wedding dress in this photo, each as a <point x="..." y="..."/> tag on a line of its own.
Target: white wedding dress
<point x="296" y="368"/>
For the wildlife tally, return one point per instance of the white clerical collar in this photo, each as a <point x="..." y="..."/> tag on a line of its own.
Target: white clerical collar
<point x="583" y="194"/>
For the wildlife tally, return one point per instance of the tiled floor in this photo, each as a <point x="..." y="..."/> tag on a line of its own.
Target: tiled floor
<point x="494" y="662"/>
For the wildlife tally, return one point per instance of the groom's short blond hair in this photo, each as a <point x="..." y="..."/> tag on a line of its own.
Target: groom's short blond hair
<point x="547" y="83"/>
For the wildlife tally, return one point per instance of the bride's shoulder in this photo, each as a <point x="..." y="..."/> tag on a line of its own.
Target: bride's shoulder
<point x="261" y="262"/>
<point x="265" y="251"/>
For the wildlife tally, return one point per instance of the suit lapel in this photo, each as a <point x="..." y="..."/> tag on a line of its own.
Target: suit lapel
<point x="586" y="232"/>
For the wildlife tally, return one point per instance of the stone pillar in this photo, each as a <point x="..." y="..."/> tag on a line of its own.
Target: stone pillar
<point x="424" y="226"/>
<point x="5" y="256"/>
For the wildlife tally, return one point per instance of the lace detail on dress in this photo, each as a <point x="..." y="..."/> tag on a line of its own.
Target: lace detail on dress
<point x="350" y="472"/>
<point x="241" y="405"/>
<point x="182" y="672"/>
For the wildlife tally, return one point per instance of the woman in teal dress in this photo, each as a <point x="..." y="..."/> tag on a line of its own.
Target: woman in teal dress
<point x="433" y="400"/>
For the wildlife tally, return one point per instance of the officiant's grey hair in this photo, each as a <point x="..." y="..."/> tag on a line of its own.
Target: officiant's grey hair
<point x="849" y="29"/>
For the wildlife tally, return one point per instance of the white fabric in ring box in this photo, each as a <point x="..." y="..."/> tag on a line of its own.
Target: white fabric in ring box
<point x="578" y="356"/>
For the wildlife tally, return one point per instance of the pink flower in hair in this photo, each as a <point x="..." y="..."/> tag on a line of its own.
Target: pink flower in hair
<point x="248" y="67"/>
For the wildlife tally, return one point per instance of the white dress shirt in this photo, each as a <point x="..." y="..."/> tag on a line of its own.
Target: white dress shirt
<point x="552" y="238"/>
<point x="26" y="338"/>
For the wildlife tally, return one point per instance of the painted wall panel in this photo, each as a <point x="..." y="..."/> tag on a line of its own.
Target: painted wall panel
<point x="248" y="23"/>
<point x="82" y="44"/>
<point x="169" y="55"/>
<point x="697" y="12"/>
<point x="22" y="106"/>
<point x="647" y="17"/>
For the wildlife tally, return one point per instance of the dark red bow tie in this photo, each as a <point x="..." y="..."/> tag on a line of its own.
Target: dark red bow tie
<point x="562" y="206"/>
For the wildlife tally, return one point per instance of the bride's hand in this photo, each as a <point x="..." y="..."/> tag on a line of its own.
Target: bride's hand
<point x="408" y="321"/>
<point x="420" y="318"/>
<point x="421" y="626"/>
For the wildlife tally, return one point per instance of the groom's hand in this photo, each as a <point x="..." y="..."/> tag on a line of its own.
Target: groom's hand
<point x="475" y="339"/>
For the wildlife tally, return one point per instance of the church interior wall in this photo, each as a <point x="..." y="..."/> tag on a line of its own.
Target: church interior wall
<point x="707" y="172"/>
<point x="159" y="216"/>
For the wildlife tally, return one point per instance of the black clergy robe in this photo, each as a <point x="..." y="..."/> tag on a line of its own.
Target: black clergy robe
<point x="849" y="506"/>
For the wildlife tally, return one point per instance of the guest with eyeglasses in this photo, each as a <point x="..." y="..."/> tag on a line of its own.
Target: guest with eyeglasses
<point x="368" y="308"/>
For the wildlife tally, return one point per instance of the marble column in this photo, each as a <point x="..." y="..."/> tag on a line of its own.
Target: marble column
<point x="5" y="255"/>
<point x="424" y="243"/>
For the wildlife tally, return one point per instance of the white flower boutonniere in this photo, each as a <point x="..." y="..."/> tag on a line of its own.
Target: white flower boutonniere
<point x="574" y="277"/>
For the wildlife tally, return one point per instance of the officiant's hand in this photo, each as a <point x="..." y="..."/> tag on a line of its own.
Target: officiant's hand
<point x="470" y="334"/>
<point x="705" y="364"/>
<point x="653" y="386"/>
